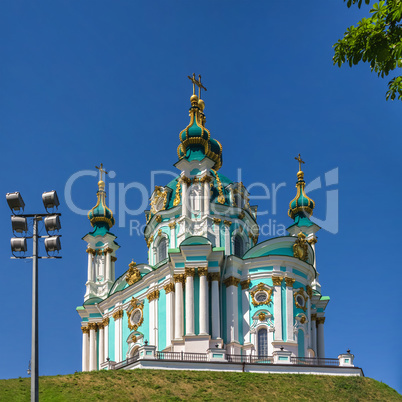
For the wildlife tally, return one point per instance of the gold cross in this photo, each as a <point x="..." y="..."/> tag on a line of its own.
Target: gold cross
<point x="199" y="85"/>
<point x="101" y="170"/>
<point x="299" y="159"/>
<point x="194" y="81"/>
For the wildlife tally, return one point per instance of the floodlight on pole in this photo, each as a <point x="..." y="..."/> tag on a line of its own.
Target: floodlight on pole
<point x="19" y="224"/>
<point x="52" y="223"/>
<point x="50" y="199"/>
<point x="52" y="244"/>
<point x="18" y="244"/>
<point x="15" y="201"/>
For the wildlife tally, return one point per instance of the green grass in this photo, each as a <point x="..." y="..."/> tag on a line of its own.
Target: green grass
<point x="144" y="385"/>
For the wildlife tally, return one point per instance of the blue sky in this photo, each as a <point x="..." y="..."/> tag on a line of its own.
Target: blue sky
<point x="95" y="81"/>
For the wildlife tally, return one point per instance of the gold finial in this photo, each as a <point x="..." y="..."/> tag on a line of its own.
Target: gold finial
<point x="199" y="85"/>
<point x="299" y="159"/>
<point x="101" y="171"/>
<point x="194" y="81"/>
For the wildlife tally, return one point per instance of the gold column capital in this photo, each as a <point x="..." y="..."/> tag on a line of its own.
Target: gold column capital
<point x="290" y="281"/>
<point x="169" y="288"/>
<point x="92" y="326"/>
<point x="214" y="276"/>
<point x="100" y="325"/>
<point x="217" y="221"/>
<point x="186" y="180"/>
<point x="320" y="320"/>
<point x="172" y="225"/>
<point x="202" y="271"/>
<point x="118" y="314"/>
<point x="309" y="291"/>
<point x="153" y="295"/>
<point x="313" y="317"/>
<point x="231" y="281"/>
<point x="206" y="179"/>
<point x="189" y="272"/>
<point x="245" y="284"/>
<point x="227" y="223"/>
<point x="85" y="329"/>
<point x="113" y="258"/>
<point x="90" y="251"/>
<point x="277" y="280"/>
<point x="105" y="322"/>
<point x="179" y="278"/>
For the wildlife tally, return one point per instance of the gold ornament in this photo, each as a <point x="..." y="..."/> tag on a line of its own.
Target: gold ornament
<point x="277" y="280"/>
<point x="169" y="288"/>
<point x="261" y="287"/>
<point x="300" y="248"/>
<point x="133" y="274"/>
<point x="231" y="281"/>
<point x="245" y="284"/>
<point x="153" y="295"/>
<point x="261" y="316"/>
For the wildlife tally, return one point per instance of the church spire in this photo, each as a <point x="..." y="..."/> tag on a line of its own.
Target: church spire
<point x="301" y="206"/>
<point x="195" y="140"/>
<point x="100" y="215"/>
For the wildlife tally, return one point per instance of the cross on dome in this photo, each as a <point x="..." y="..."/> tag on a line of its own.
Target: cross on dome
<point x="101" y="171"/>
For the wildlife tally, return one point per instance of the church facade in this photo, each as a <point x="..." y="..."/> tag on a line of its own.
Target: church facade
<point x="209" y="291"/>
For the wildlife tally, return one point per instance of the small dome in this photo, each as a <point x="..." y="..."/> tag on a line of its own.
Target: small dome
<point x="301" y="204"/>
<point x="100" y="215"/>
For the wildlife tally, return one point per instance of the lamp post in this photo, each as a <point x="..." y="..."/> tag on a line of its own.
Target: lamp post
<point x="19" y="224"/>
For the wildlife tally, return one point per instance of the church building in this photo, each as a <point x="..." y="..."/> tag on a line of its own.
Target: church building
<point x="210" y="295"/>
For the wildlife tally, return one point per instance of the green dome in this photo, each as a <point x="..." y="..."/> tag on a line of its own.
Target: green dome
<point x="301" y="205"/>
<point x="195" y="140"/>
<point x="100" y="215"/>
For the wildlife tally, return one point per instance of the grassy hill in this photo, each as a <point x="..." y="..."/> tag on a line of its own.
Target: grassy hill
<point x="140" y="385"/>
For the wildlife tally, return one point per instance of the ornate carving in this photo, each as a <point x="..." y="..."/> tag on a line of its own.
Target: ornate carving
<point x="179" y="278"/>
<point x="231" y="281"/>
<point x="313" y="317"/>
<point x="113" y="258"/>
<point x="90" y="251"/>
<point x="312" y="241"/>
<point x="108" y="250"/>
<point x="217" y="221"/>
<point x="172" y="225"/>
<point x="261" y="316"/>
<point x="85" y="329"/>
<point x="227" y="223"/>
<point x="100" y="325"/>
<point x="320" y="320"/>
<point x="158" y="218"/>
<point x="221" y="197"/>
<point x="153" y="295"/>
<point x="300" y="248"/>
<point x="189" y="272"/>
<point x="303" y="319"/>
<point x="160" y="195"/>
<point x="160" y="232"/>
<point x="133" y="274"/>
<point x="176" y="201"/>
<point x="214" y="276"/>
<point x="290" y="281"/>
<point x="149" y="241"/>
<point x="134" y="338"/>
<point x="300" y="293"/>
<point x="309" y="291"/>
<point x="169" y="288"/>
<point x="261" y="287"/>
<point x="206" y="179"/>
<point x="202" y="271"/>
<point x="245" y="284"/>
<point x="186" y="180"/>
<point x="105" y="322"/>
<point x="241" y="215"/>
<point x="118" y="314"/>
<point x="135" y="307"/>
<point x="92" y="326"/>
<point x="277" y="280"/>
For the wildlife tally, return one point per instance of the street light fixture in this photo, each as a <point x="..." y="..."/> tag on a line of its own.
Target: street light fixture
<point x="19" y="225"/>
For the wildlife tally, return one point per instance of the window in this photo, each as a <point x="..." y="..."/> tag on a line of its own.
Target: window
<point x="238" y="246"/>
<point x="195" y="199"/>
<point x="263" y="342"/>
<point x="162" y="250"/>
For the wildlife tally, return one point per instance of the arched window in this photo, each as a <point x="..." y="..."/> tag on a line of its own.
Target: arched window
<point x="263" y="342"/>
<point x="195" y="199"/>
<point x="162" y="250"/>
<point x="238" y="246"/>
<point x="135" y="354"/>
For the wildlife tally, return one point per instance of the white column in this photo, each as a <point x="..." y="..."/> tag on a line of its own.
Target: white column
<point x="106" y="336"/>
<point x="92" y="346"/>
<point x="217" y="224"/>
<point x="172" y="227"/>
<point x="215" y="307"/>
<point x="101" y="344"/>
<point x="178" y="327"/>
<point x="277" y="281"/>
<point x="90" y="265"/>
<point x="113" y="259"/>
<point x="85" y="357"/>
<point x="118" y="315"/>
<point x="232" y="321"/>
<point x="207" y="194"/>
<point x="184" y="199"/>
<point x="245" y="285"/>
<point x="189" y="276"/>
<point x="153" y="317"/>
<point x="312" y="242"/>
<point x="202" y="273"/>
<point x="320" y="337"/>
<point x="309" y="293"/>
<point x="289" y="308"/>
<point x="108" y="266"/>
<point x="314" y="333"/>
<point x="169" y="290"/>
<point x="227" y="237"/>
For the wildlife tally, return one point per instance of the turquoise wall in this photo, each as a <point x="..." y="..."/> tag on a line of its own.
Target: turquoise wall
<point x="111" y="339"/>
<point x="144" y="328"/>
<point x="300" y="343"/>
<point x="162" y="321"/>
<point x="125" y="333"/>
